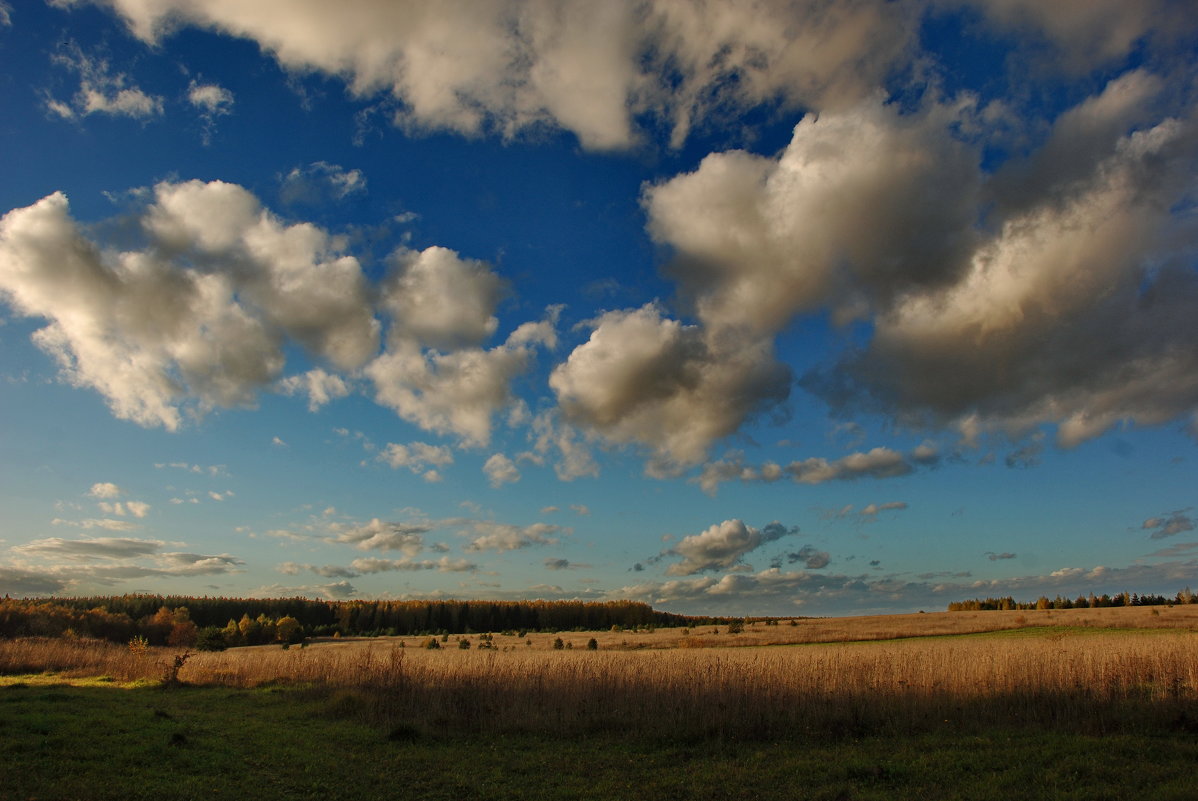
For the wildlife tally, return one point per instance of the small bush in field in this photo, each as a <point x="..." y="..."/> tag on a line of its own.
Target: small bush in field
<point x="139" y="646"/>
<point x="432" y="644"/>
<point x="211" y="638"/>
<point x="464" y="645"/>
<point x="592" y="644"/>
<point x="558" y="644"/>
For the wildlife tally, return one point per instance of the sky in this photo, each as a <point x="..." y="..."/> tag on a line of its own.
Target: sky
<point x="773" y="308"/>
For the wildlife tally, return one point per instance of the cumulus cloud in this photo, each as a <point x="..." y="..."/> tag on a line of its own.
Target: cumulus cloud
<point x="104" y="489"/>
<point x="1168" y="525"/>
<point x="134" y="508"/>
<point x="550" y="435"/>
<point x="212" y="101"/>
<point x="381" y="536"/>
<point x="201" y="316"/>
<point x="644" y="378"/>
<point x="721" y="546"/>
<point x="501" y="470"/>
<point x="1076" y="311"/>
<point x="458" y="392"/>
<point x="417" y="456"/>
<point x="508" y="67"/>
<point x="491" y="536"/>
<point x="320" y="387"/>
<point x="210" y="98"/>
<point x="102" y="91"/>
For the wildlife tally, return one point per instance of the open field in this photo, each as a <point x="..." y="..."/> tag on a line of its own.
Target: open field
<point x="943" y="712"/>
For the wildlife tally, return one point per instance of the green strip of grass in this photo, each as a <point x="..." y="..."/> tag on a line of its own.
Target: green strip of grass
<point x="59" y="741"/>
<point x="1030" y="632"/>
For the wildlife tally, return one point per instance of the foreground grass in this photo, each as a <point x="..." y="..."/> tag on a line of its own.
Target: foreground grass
<point x="104" y="740"/>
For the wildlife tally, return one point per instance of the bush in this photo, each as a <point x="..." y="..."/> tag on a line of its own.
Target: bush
<point x="558" y="644"/>
<point x="211" y="638"/>
<point x="592" y="644"/>
<point x="432" y="644"/>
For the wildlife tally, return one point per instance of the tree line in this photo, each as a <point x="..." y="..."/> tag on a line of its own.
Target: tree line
<point x="1090" y="601"/>
<point x="186" y="620"/>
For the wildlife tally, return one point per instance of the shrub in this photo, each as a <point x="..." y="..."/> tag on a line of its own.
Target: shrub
<point x="558" y="644"/>
<point x="592" y="644"/>
<point x="432" y="644"/>
<point x="211" y="638"/>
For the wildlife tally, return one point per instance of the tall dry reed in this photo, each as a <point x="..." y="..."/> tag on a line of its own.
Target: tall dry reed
<point x="1090" y="683"/>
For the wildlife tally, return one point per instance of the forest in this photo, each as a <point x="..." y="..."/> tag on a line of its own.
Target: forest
<point x="1090" y="601"/>
<point x="225" y="622"/>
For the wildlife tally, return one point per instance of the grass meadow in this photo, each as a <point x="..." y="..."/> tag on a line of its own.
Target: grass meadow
<point x="1082" y="704"/>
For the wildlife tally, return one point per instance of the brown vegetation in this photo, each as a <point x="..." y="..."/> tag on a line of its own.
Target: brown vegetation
<point x="1084" y="680"/>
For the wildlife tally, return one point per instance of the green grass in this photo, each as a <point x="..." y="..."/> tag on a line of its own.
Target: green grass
<point x="102" y="740"/>
<point x="1025" y="632"/>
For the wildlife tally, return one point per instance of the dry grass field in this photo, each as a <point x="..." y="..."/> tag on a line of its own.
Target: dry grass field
<point x="1087" y="670"/>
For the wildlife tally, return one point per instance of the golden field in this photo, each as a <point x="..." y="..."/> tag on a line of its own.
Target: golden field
<point x="1094" y="670"/>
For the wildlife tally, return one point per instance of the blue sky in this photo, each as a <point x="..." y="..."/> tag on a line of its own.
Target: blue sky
<point x="739" y="308"/>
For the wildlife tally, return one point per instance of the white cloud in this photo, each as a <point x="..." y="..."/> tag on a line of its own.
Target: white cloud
<point x="875" y="463"/>
<point x="759" y="240"/>
<point x="574" y="458"/>
<point x="721" y="546"/>
<point x="102" y="91"/>
<point x="644" y="378"/>
<point x="381" y="536"/>
<point x="134" y="508"/>
<point x="417" y="456"/>
<point x="1068" y="314"/>
<point x="589" y="68"/>
<point x="95" y="548"/>
<point x="210" y="98"/>
<point x="105" y="489"/>
<point x="137" y="508"/>
<point x="102" y="522"/>
<point x="501" y="470"/>
<point x="200" y="317"/>
<point x="320" y="387"/>
<point x="442" y="565"/>
<point x="440" y="300"/>
<point x="491" y="536"/>
<point x="457" y="392"/>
